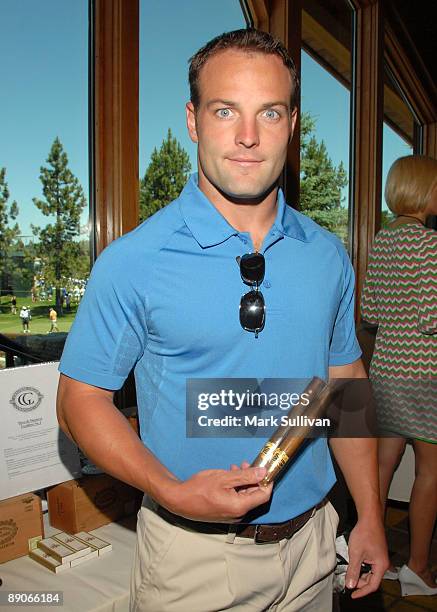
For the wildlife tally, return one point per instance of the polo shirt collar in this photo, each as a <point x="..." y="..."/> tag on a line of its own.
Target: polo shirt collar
<point x="287" y="222"/>
<point x="202" y="218"/>
<point x="210" y="228"/>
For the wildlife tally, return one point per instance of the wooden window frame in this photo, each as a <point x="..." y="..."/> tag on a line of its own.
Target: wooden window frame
<point x="367" y="140"/>
<point x="114" y="129"/>
<point x="414" y="91"/>
<point x="114" y="118"/>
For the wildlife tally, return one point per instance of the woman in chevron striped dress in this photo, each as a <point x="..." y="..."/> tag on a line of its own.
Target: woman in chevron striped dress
<point x="400" y="296"/>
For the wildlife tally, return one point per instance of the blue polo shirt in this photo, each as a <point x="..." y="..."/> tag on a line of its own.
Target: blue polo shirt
<point x="164" y="300"/>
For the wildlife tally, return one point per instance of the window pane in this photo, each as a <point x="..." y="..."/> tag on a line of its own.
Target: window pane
<point x="44" y="229"/>
<point x="325" y="119"/>
<point x="398" y="134"/>
<point x="170" y="33"/>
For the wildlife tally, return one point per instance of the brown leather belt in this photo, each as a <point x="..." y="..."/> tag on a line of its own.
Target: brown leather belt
<point x="260" y="533"/>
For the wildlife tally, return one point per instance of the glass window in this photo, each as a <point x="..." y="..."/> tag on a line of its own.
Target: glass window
<point x="325" y="114"/>
<point x="170" y="33"/>
<point x="394" y="146"/>
<point x="398" y="135"/>
<point x="44" y="217"/>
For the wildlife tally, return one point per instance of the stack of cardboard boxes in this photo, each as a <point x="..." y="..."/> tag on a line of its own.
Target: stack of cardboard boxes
<point x="75" y="507"/>
<point x="90" y="502"/>
<point x="63" y="551"/>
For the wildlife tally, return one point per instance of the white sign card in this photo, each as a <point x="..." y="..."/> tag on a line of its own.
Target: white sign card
<point x="34" y="452"/>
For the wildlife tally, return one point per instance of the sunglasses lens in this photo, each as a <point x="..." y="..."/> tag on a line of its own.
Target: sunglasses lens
<point x="252" y="311"/>
<point x="252" y="268"/>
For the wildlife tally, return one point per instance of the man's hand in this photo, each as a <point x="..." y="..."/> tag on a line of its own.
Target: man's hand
<point x="367" y="544"/>
<point x="218" y="496"/>
<point x="358" y="460"/>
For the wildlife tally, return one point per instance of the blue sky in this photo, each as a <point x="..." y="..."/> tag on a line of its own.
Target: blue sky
<point x="330" y="109"/>
<point x="44" y="50"/>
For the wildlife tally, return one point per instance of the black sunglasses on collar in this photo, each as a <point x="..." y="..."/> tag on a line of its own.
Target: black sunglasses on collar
<point x="252" y="305"/>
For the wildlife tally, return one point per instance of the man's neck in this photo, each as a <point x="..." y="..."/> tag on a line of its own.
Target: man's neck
<point x="255" y="217"/>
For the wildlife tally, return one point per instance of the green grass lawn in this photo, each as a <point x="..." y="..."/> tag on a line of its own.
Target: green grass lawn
<point x="40" y="322"/>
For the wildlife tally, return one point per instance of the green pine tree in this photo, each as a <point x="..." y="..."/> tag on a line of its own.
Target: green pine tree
<point x="321" y="182"/>
<point x="165" y="176"/>
<point x="64" y="201"/>
<point x="8" y="233"/>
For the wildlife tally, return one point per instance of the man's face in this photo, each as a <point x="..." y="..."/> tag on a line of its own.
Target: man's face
<point x="243" y="123"/>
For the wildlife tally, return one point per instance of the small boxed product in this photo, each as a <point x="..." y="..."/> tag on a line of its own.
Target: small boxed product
<point x="92" y="555"/>
<point x="90" y="502"/>
<point x="72" y="542"/>
<point x="101" y="546"/>
<point x="88" y="552"/>
<point x="21" y="525"/>
<point x="48" y="561"/>
<point x="61" y="552"/>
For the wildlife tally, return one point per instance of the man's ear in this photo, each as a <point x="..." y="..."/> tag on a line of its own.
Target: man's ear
<point x="191" y="121"/>
<point x="293" y="118"/>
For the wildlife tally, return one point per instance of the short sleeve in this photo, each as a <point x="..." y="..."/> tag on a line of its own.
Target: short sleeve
<point x="369" y="304"/>
<point x="109" y="332"/>
<point x="344" y="347"/>
<point x="427" y="289"/>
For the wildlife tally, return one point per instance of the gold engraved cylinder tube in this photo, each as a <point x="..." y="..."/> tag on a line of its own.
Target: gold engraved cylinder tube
<point x="287" y="439"/>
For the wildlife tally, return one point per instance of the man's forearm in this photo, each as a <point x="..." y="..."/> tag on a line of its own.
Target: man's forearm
<point x="107" y="439"/>
<point x="357" y="458"/>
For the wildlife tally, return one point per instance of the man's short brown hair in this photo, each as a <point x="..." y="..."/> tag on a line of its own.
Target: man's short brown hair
<point x="244" y="40"/>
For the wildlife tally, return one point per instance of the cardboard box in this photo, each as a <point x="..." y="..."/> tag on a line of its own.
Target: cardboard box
<point x="101" y="546"/>
<point x="21" y="525"/>
<point x="89" y="503"/>
<point x="48" y="561"/>
<point x="72" y="542"/>
<point x="61" y="552"/>
<point x="92" y="555"/>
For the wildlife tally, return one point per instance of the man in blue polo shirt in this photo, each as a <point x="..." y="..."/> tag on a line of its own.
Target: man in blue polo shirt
<point x="165" y="300"/>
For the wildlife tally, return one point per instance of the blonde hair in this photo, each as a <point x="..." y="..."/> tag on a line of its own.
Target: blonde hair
<point x="410" y="183"/>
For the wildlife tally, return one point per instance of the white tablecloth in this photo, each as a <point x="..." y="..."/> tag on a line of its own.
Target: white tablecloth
<point x="100" y="584"/>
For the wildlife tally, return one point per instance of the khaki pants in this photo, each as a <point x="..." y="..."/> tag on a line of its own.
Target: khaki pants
<point x="176" y="570"/>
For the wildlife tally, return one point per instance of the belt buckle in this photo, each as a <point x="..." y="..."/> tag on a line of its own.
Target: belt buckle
<point x="256" y="534"/>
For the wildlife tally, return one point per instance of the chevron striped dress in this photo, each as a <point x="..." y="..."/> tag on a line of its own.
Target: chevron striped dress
<point x="400" y="296"/>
